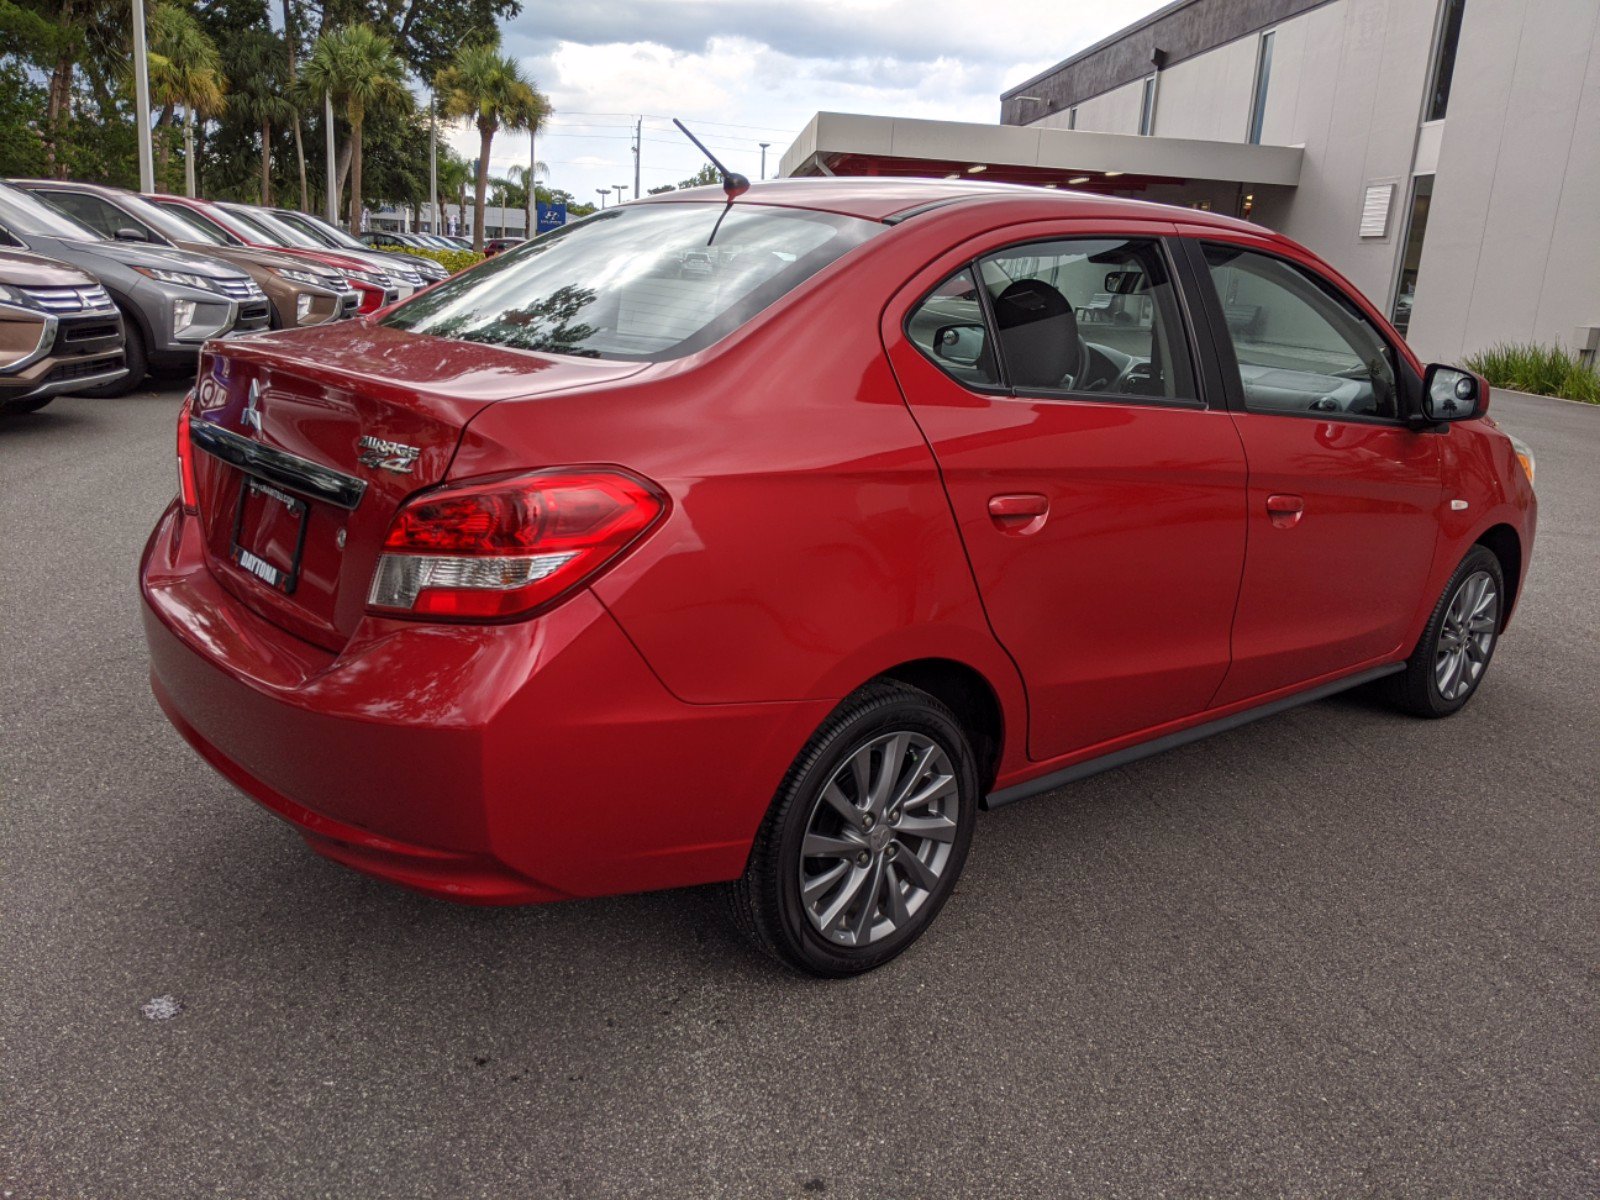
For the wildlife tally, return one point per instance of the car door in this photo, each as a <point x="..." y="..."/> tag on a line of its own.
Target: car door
<point x="1344" y="494"/>
<point x="1100" y="500"/>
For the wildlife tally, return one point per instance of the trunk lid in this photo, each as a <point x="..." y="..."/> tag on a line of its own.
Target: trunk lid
<point x="307" y="442"/>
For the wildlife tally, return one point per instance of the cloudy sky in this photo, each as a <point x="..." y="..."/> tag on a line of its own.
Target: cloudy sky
<point x="742" y="72"/>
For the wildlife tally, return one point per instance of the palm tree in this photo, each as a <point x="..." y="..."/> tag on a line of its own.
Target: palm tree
<point x="454" y="175"/>
<point x="260" y="95"/>
<point x="527" y="182"/>
<point x="488" y="88"/>
<point x="358" y="67"/>
<point x="185" y="72"/>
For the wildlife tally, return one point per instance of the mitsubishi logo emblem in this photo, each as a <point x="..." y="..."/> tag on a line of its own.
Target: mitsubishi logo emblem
<point x="251" y="417"/>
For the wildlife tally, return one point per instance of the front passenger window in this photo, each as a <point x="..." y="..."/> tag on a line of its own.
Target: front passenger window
<point x="1300" y="349"/>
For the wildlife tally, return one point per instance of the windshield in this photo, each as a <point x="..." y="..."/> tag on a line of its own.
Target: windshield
<point x="321" y="232"/>
<point x="31" y="217"/>
<point x="270" y="229"/>
<point x="170" y="223"/>
<point x="649" y="282"/>
<point x="202" y="224"/>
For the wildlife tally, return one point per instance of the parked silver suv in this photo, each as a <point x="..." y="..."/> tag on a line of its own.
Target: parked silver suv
<point x="172" y="301"/>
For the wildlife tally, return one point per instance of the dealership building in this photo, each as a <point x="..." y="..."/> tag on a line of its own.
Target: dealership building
<point x="1444" y="155"/>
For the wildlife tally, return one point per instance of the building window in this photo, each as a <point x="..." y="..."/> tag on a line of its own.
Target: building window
<point x="1072" y="117"/>
<point x="1147" y="107"/>
<point x="1444" y="59"/>
<point x="1258" y="98"/>
<point x="1416" y="225"/>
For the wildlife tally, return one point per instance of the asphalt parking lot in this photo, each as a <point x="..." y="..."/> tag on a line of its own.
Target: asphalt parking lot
<point x="1338" y="952"/>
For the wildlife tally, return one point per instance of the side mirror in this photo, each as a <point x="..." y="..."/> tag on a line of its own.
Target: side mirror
<point x="128" y="234"/>
<point x="959" y="344"/>
<point x="1451" y="394"/>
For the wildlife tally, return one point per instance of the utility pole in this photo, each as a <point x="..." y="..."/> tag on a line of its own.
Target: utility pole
<point x="141" y="101"/>
<point x="333" y="169"/>
<point x="764" y="146"/>
<point x="433" y="162"/>
<point x="638" y="147"/>
<point x="533" y="176"/>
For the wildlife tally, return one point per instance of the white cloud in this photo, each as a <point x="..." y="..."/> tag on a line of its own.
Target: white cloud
<point x="740" y="72"/>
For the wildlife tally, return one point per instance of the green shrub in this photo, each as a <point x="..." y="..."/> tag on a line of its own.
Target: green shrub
<point x="450" y="260"/>
<point x="1543" y="370"/>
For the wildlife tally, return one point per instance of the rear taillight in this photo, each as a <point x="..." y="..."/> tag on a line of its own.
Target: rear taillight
<point x="505" y="548"/>
<point x="188" y="492"/>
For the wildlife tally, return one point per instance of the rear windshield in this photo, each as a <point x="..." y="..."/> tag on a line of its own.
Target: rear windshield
<point x="645" y="283"/>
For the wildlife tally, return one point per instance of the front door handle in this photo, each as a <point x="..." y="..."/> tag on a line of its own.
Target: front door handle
<point x="1285" y="510"/>
<point x="1019" y="512"/>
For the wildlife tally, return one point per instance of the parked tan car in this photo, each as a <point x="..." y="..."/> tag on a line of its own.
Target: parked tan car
<point x="59" y="332"/>
<point x="302" y="293"/>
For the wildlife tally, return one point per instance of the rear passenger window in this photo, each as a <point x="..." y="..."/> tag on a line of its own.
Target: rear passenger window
<point x="949" y="328"/>
<point x="1300" y="349"/>
<point x="1088" y="315"/>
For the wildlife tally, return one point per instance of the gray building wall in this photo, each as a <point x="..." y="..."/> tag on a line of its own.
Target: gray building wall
<point x="1513" y="245"/>
<point x="1513" y="239"/>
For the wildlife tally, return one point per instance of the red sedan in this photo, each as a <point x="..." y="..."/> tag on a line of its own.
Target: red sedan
<point x="764" y="541"/>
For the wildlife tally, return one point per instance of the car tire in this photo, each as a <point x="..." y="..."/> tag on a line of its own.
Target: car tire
<point x="899" y="759"/>
<point x="134" y="356"/>
<point x="1453" y="654"/>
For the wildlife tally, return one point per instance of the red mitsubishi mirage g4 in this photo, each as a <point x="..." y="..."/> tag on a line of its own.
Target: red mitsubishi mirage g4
<point x="766" y="540"/>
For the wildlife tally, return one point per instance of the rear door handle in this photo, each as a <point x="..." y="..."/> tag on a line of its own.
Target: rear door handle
<point x="1019" y="512"/>
<point x="1285" y="510"/>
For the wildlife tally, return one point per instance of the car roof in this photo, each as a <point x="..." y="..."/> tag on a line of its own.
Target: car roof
<point x="886" y="199"/>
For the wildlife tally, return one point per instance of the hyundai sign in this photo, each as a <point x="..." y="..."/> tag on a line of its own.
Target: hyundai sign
<point x="550" y="216"/>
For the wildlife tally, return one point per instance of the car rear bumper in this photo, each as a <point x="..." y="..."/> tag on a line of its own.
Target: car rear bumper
<point x="494" y="764"/>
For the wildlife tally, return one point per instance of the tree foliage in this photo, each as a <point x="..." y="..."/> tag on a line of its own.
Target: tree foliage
<point x="483" y="86"/>
<point x="237" y="71"/>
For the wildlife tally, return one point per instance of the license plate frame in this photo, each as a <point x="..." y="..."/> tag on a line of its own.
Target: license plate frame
<point x="257" y="562"/>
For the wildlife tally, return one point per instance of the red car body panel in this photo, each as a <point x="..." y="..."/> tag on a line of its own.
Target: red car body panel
<point x="826" y="521"/>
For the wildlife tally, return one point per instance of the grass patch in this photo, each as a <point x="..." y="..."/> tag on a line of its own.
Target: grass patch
<point x="1543" y="370"/>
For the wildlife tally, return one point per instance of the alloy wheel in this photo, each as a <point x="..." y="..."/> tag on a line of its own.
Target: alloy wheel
<point x="1466" y="636"/>
<point x="879" y="839"/>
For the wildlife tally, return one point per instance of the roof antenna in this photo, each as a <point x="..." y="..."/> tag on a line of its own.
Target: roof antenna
<point x="732" y="182"/>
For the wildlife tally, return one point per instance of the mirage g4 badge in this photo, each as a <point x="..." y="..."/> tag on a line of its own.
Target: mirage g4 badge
<point x="391" y="456"/>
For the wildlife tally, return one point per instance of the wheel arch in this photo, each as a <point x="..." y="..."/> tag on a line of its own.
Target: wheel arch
<point x="1505" y="544"/>
<point x="968" y="693"/>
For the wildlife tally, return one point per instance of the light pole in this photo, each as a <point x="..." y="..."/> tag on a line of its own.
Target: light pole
<point x="604" y="192"/>
<point x="141" y="101"/>
<point x="333" y="174"/>
<point x="619" y="188"/>
<point x="764" y="146"/>
<point x="433" y="162"/>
